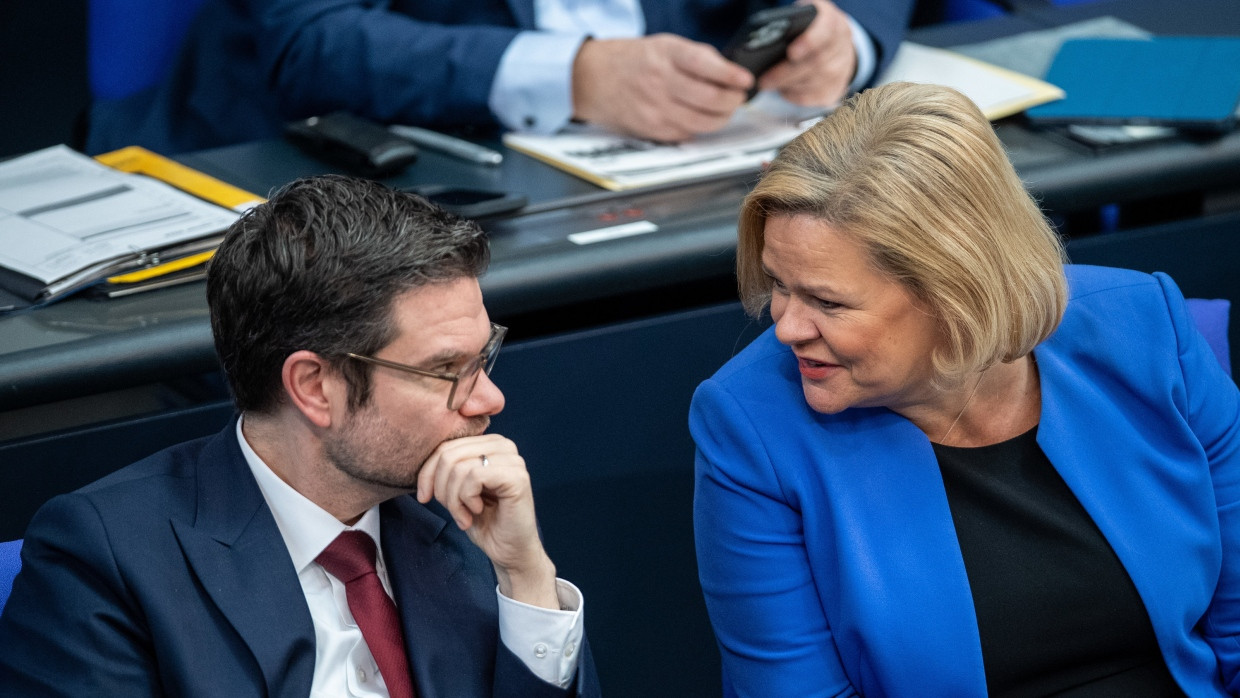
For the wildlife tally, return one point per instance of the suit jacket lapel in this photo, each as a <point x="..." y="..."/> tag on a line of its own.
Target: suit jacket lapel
<point x="658" y="15"/>
<point x="904" y="576"/>
<point x="1112" y="459"/>
<point x="523" y="11"/>
<point x="424" y="577"/>
<point x="235" y="549"/>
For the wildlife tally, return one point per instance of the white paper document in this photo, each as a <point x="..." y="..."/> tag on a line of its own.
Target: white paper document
<point x="998" y="92"/>
<point x="62" y="212"/>
<point x="615" y="162"/>
<point x="759" y="129"/>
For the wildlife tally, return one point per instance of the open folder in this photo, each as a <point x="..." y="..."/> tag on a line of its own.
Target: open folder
<point x="68" y="222"/>
<point x="1190" y="82"/>
<point x="127" y="221"/>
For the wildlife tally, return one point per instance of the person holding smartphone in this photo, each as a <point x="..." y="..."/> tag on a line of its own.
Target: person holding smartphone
<point x="646" y="68"/>
<point x="670" y="88"/>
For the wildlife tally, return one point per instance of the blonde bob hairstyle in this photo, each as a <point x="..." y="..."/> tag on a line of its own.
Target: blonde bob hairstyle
<point x="917" y="176"/>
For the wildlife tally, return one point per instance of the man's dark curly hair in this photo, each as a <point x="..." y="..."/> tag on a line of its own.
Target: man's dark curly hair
<point x="318" y="267"/>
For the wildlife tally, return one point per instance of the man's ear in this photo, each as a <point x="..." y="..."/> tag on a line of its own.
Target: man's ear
<point x="313" y="387"/>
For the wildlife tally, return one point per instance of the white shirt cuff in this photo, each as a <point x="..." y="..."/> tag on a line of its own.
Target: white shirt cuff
<point x="547" y="641"/>
<point x="867" y="55"/>
<point x="533" y="86"/>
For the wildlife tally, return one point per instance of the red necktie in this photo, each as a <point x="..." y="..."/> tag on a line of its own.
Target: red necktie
<point x="351" y="559"/>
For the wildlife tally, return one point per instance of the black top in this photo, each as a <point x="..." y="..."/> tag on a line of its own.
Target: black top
<point x="1056" y="611"/>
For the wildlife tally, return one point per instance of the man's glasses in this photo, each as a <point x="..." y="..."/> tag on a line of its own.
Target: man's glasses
<point x="463" y="381"/>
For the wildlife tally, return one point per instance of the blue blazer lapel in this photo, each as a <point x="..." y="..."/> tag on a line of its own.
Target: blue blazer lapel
<point x="236" y="550"/>
<point x="899" y="561"/>
<point x="1135" y="484"/>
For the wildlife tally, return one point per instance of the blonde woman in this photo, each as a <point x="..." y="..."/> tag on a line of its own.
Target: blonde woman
<point x="956" y="466"/>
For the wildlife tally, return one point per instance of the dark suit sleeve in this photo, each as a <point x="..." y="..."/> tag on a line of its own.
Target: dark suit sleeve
<point x="360" y="55"/>
<point x="885" y="20"/>
<point x="70" y="628"/>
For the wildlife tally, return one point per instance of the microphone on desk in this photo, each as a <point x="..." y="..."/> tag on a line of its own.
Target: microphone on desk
<point x="450" y="145"/>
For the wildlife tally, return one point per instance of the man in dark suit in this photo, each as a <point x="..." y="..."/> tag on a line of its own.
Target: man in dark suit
<point x="652" y="69"/>
<point x="349" y="321"/>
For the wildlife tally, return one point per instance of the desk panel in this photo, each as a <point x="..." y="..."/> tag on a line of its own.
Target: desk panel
<point x="541" y="280"/>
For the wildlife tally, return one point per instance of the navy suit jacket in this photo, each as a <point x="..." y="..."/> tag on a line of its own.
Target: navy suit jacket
<point x="826" y="547"/>
<point x="249" y="65"/>
<point x="170" y="577"/>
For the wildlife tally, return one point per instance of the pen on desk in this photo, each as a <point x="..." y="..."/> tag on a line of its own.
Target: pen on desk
<point x="448" y="144"/>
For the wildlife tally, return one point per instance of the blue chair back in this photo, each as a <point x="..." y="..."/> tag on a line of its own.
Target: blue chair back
<point x="132" y="43"/>
<point x="1212" y="317"/>
<point x="10" y="565"/>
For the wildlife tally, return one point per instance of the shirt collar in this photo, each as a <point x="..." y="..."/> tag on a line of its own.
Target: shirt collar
<point x="306" y="527"/>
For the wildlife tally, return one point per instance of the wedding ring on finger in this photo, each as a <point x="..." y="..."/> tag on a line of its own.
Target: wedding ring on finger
<point x="485" y="462"/>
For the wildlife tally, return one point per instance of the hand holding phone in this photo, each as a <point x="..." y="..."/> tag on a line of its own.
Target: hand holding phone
<point x="660" y="87"/>
<point x="762" y="42"/>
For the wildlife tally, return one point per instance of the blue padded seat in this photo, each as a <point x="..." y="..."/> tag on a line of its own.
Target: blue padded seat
<point x="131" y="43"/>
<point x="1211" y="316"/>
<point x="10" y="565"/>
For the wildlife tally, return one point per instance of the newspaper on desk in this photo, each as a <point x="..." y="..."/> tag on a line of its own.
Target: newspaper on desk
<point x="67" y="221"/>
<point x="614" y="162"/>
<point x="760" y="128"/>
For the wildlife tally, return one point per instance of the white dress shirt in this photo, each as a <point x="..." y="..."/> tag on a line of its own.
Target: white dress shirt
<point x="545" y="640"/>
<point x="532" y="90"/>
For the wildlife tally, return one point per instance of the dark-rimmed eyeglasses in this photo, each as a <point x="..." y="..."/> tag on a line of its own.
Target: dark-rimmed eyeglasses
<point x="463" y="381"/>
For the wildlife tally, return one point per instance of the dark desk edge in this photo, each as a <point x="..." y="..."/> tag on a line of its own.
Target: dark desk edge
<point x="531" y="284"/>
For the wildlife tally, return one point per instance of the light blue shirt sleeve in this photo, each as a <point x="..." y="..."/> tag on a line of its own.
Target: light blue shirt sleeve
<point x="533" y="85"/>
<point x="532" y="90"/>
<point x="867" y="55"/>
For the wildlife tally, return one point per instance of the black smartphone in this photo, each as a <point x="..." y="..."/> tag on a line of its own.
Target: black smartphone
<point x="763" y="40"/>
<point x="469" y="203"/>
<point x="356" y="144"/>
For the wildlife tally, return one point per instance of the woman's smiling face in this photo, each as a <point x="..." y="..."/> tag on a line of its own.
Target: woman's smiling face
<point x="860" y="338"/>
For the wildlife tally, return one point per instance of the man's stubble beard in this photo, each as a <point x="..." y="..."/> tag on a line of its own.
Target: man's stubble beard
<point x="370" y="451"/>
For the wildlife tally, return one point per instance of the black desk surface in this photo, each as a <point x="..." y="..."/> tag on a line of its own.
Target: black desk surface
<point x="82" y="346"/>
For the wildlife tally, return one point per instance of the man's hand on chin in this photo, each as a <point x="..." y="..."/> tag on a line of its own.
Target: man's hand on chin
<point x="482" y="482"/>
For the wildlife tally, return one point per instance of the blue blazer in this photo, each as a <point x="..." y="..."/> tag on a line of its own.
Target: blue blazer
<point x="247" y="66"/>
<point x="170" y="577"/>
<point x="826" y="547"/>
